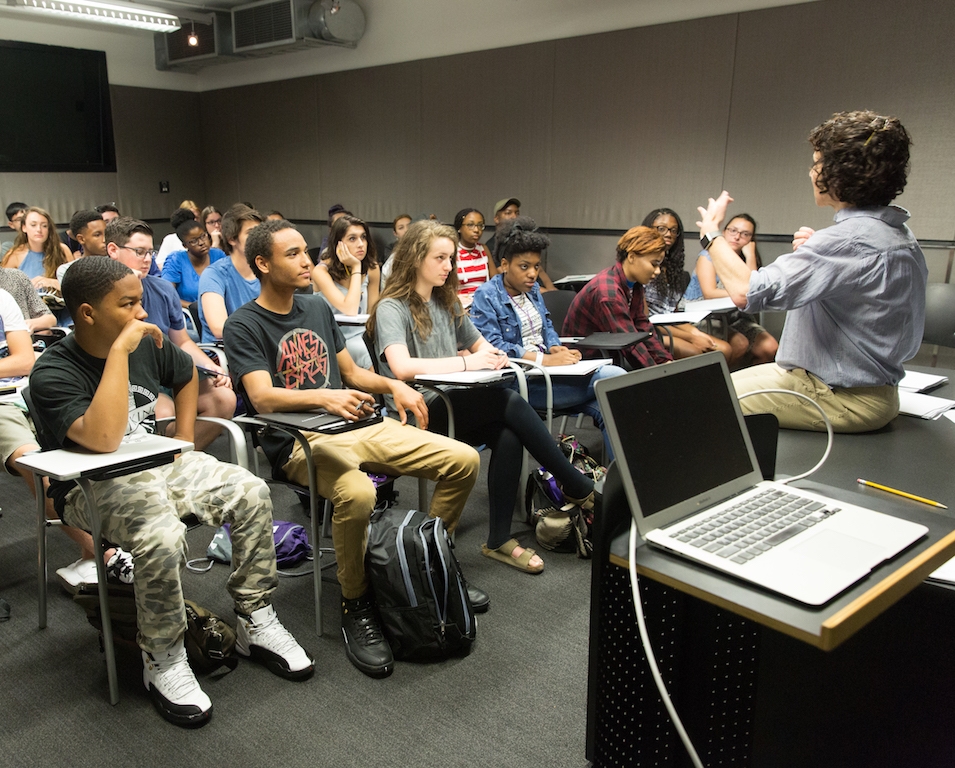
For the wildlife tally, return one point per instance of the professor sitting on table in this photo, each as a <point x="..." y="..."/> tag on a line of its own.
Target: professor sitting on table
<point x="855" y="290"/>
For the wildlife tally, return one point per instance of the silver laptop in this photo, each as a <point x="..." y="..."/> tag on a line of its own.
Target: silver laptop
<point x="695" y="489"/>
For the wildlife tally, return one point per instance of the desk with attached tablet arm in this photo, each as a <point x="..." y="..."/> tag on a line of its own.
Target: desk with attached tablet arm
<point x="867" y="679"/>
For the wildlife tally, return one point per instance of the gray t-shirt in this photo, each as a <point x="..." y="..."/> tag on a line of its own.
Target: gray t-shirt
<point x="394" y="325"/>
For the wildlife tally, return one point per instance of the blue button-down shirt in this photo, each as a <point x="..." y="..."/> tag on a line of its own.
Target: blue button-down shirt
<point x="856" y="295"/>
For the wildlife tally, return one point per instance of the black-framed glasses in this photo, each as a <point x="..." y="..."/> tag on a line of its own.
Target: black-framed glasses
<point x="142" y="252"/>
<point x="742" y="234"/>
<point x="675" y="231"/>
<point x="478" y="227"/>
<point x="197" y="241"/>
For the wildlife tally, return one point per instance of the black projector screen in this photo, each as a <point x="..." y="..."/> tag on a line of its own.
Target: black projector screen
<point x="56" y="109"/>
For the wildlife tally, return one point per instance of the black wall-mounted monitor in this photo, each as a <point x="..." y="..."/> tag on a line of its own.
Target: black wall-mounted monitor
<point x="56" y="113"/>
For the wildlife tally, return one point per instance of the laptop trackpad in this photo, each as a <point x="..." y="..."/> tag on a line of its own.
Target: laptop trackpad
<point x="833" y="547"/>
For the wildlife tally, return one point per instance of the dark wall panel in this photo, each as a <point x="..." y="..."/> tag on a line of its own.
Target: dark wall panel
<point x="157" y="139"/>
<point x="221" y="159"/>
<point x="277" y="142"/>
<point x="639" y="122"/>
<point x="799" y="64"/>
<point x="486" y="130"/>
<point x="369" y="138"/>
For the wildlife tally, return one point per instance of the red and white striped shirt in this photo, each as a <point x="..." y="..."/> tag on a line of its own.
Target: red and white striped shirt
<point x="472" y="269"/>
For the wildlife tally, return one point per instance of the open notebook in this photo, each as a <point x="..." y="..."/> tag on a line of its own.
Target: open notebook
<point x="695" y="489"/>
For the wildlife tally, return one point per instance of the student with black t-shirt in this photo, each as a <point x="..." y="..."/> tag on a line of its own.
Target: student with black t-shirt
<point x="289" y="355"/>
<point x="113" y="357"/>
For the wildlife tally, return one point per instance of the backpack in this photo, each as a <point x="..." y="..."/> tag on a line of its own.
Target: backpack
<point x="420" y="592"/>
<point x="291" y="548"/>
<point x="559" y="526"/>
<point x="209" y="641"/>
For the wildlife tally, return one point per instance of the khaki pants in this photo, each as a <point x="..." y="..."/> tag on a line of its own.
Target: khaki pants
<point x="341" y="464"/>
<point x="851" y="409"/>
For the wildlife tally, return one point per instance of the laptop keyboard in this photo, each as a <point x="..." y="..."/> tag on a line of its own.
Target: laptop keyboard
<point x="750" y="528"/>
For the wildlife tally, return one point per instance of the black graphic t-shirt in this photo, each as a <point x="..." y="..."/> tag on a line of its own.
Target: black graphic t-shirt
<point x="64" y="381"/>
<point x="298" y="350"/>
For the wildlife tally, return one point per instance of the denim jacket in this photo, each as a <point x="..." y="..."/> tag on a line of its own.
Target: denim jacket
<point x="495" y="317"/>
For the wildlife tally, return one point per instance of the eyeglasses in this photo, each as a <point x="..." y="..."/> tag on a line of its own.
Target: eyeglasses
<point x="197" y="241"/>
<point x="141" y="252"/>
<point x="478" y="227"/>
<point x="18" y="219"/>
<point x="213" y="222"/>
<point x="672" y="230"/>
<point x="740" y="233"/>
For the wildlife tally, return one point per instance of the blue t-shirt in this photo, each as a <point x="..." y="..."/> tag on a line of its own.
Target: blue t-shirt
<point x="223" y="278"/>
<point x="32" y="266"/>
<point x="179" y="271"/>
<point x="162" y="304"/>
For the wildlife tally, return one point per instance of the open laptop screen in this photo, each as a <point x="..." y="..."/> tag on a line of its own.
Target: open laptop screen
<point x="675" y="430"/>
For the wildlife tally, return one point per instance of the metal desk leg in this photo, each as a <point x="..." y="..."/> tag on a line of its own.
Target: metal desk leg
<point x="40" y="548"/>
<point x="97" y="526"/>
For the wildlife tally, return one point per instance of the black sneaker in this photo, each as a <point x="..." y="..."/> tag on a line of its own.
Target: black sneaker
<point x="365" y="645"/>
<point x="480" y="602"/>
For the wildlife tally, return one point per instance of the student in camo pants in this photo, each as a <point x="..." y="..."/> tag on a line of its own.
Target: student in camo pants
<point x="114" y="358"/>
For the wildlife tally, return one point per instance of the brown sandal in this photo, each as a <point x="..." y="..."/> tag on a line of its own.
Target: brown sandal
<point x="503" y="555"/>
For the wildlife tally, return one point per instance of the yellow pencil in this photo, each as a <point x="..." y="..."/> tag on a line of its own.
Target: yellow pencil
<point x="900" y="493"/>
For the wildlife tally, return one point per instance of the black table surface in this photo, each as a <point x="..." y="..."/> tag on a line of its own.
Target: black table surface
<point x="911" y="454"/>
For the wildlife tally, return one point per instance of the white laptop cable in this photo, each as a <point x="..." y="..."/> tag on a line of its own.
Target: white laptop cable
<point x="648" y="651"/>
<point x="821" y="413"/>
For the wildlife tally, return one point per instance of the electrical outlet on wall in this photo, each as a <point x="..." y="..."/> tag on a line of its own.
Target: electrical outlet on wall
<point x="164" y="187"/>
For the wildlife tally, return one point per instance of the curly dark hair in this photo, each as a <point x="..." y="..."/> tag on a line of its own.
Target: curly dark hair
<point x="519" y="235"/>
<point x="670" y="280"/>
<point x="865" y="158"/>
<point x="259" y="242"/>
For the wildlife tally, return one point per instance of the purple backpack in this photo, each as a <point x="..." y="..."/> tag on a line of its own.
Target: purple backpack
<point x="291" y="544"/>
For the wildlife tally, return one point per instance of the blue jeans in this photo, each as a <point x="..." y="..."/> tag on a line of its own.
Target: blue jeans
<point x="574" y="393"/>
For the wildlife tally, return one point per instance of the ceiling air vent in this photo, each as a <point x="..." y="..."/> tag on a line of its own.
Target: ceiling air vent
<point x="279" y="26"/>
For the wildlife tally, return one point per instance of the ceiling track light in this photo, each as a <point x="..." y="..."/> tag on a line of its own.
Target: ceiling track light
<point x="137" y="17"/>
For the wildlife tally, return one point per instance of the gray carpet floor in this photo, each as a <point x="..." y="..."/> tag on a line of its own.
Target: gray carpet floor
<point x="518" y="699"/>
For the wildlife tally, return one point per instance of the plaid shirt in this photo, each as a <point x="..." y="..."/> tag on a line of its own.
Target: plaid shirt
<point x="607" y="303"/>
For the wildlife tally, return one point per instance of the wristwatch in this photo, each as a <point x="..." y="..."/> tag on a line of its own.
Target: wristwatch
<point x="707" y="240"/>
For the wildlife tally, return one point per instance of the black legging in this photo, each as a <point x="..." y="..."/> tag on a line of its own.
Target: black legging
<point x="502" y="420"/>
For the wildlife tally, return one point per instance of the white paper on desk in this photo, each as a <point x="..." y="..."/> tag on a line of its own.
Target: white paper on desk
<point x="463" y="377"/>
<point x="575" y="279"/>
<point x="945" y="572"/>
<point x="580" y="368"/>
<point x="711" y="305"/>
<point x="923" y="406"/>
<point x="915" y="381"/>
<point x="351" y="319"/>
<point x="675" y="318"/>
